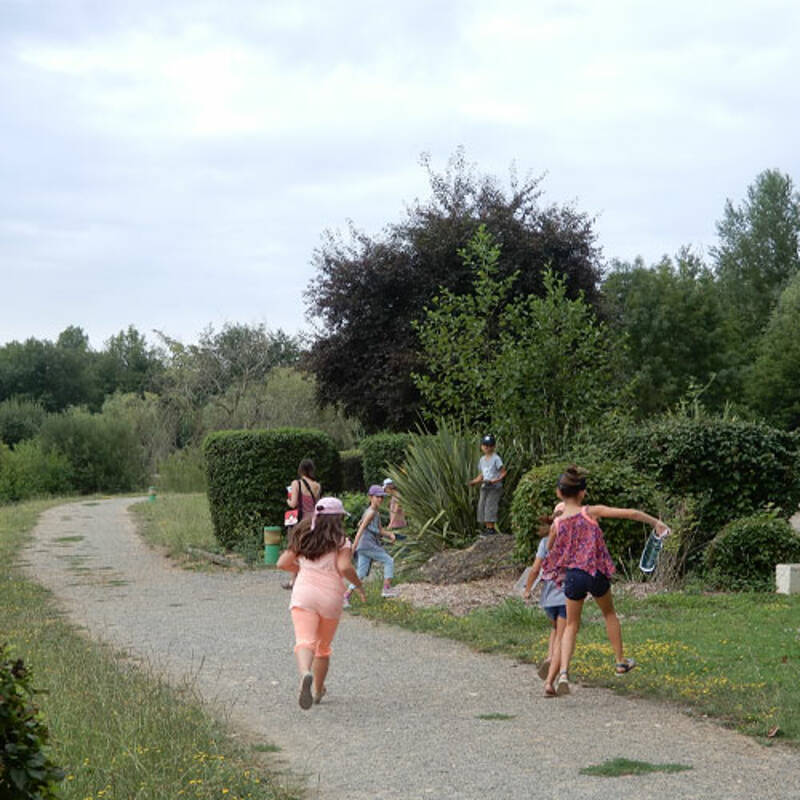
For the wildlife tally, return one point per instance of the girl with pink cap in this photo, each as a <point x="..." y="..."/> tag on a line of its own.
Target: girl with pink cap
<point x="319" y="556"/>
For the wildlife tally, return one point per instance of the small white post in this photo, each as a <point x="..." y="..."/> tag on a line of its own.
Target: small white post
<point x="787" y="578"/>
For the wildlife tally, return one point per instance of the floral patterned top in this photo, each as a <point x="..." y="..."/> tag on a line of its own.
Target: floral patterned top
<point x="579" y="544"/>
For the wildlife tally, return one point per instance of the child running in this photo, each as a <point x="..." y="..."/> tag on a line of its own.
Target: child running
<point x="579" y="561"/>
<point x="368" y="545"/>
<point x="553" y="603"/>
<point x="319" y="556"/>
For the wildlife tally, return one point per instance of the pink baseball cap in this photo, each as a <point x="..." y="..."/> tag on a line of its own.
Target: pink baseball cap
<point x="330" y="505"/>
<point x="376" y="490"/>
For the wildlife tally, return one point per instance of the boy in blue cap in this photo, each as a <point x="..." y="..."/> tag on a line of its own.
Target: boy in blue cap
<point x="490" y="478"/>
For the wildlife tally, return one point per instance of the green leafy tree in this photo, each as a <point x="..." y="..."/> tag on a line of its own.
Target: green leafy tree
<point x="128" y="363"/>
<point x="367" y="290"/>
<point x="536" y="368"/>
<point x="672" y="320"/>
<point x="773" y="381"/>
<point x="757" y="253"/>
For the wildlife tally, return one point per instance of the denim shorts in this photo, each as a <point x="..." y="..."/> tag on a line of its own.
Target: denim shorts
<point x="553" y="612"/>
<point x="578" y="583"/>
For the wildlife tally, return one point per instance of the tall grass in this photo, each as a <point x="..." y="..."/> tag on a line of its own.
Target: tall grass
<point x="177" y="521"/>
<point x="119" y="731"/>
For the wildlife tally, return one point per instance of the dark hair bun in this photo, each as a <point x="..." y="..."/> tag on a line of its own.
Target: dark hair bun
<point x="572" y="481"/>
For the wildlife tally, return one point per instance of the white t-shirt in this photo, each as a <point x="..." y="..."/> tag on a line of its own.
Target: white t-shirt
<point x="490" y="467"/>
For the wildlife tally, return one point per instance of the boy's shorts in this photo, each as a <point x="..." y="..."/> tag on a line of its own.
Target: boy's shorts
<point x="578" y="583"/>
<point x="489" y="503"/>
<point x="553" y="612"/>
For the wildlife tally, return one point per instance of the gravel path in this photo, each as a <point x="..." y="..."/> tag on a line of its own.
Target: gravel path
<point x="400" y="719"/>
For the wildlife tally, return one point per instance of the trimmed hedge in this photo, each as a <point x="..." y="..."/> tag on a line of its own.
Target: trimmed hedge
<point x="248" y="472"/>
<point x="352" y="470"/>
<point x="744" y="553"/>
<point x="608" y="483"/>
<point x="382" y="451"/>
<point x="733" y="468"/>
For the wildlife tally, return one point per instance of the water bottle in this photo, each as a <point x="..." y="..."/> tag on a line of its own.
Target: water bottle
<point x="649" y="559"/>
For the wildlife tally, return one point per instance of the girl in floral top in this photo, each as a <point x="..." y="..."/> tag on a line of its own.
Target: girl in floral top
<point x="578" y="560"/>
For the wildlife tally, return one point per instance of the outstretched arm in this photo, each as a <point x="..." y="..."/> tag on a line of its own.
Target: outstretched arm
<point x="609" y="512"/>
<point x="345" y="567"/>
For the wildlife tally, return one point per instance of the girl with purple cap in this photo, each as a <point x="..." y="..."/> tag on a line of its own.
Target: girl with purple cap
<point x="318" y="555"/>
<point x="368" y="545"/>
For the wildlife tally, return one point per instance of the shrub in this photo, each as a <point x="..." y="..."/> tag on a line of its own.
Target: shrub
<point x="19" y="420"/>
<point x="352" y="470"/>
<point x="733" y="468"/>
<point x="26" y="773"/>
<point x="354" y="504"/>
<point x="432" y="486"/>
<point x="104" y="453"/>
<point x="382" y="451"/>
<point x="248" y="472"/>
<point x="30" y="471"/>
<point x="183" y="471"/>
<point x="610" y="483"/>
<point x="744" y="553"/>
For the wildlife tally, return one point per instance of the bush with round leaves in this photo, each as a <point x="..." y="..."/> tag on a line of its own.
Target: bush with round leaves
<point x="609" y="483"/>
<point x="731" y="467"/>
<point x="744" y="553"/>
<point x="248" y="472"/>
<point x="26" y="772"/>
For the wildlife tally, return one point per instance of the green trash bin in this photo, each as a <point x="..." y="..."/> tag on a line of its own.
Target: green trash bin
<point x="272" y="544"/>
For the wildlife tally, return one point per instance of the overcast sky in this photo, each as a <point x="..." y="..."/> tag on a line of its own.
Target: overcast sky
<point x="170" y="164"/>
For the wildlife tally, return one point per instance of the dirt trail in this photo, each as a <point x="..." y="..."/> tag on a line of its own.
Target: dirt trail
<point x="401" y="718"/>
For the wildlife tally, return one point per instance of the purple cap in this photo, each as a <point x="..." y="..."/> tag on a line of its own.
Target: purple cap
<point x="376" y="491"/>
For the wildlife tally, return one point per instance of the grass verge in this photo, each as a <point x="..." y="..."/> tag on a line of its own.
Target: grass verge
<point x="175" y="521"/>
<point x="616" y="767"/>
<point x="734" y="657"/>
<point x="118" y="730"/>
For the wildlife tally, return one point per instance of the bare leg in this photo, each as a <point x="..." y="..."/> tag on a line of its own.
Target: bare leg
<point x="555" y="661"/>
<point x="320" y="670"/>
<point x="552" y="643"/>
<point x="613" y="629"/>
<point x="304" y="656"/>
<point x="570" y="635"/>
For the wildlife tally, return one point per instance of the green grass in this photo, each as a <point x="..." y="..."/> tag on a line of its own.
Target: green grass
<point x="735" y="657"/>
<point x="496" y="716"/>
<point x="176" y="521"/>
<point x="616" y="767"/>
<point x="118" y="730"/>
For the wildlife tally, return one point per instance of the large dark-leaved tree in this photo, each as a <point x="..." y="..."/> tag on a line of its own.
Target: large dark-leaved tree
<point x="368" y="290"/>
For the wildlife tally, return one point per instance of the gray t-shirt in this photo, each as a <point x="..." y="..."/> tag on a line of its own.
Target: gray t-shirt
<point x="490" y="467"/>
<point x="551" y="595"/>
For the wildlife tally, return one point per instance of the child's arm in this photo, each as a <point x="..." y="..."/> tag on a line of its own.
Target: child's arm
<point x="476" y="480"/>
<point x="551" y="538"/>
<point x="386" y="533"/>
<point x="287" y="561"/>
<point x="344" y="565"/>
<point x="365" y="520"/>
<point x="634" y="514"/>
<point x="500" y="477"/>
<point x="532" y="575"/>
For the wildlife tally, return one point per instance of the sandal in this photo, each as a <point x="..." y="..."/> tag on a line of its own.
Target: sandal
<point x="624" y="666"/>
<point x="562" y="685"/>
<point x="549" y="691"/>
<point x="543" y="669"/>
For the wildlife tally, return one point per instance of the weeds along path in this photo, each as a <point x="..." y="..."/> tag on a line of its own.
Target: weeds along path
<point x="401" y="719"/>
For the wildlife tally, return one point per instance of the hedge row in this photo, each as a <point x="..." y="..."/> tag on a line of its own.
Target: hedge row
<point x="248" y="472"/>
<point x="611" y="483"/>
<point x="382" y="451"/>
<point x="733" y="468"/>
<point x="352" y="470"/>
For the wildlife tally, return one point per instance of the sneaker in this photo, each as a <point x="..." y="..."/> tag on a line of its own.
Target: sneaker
<point x="562" y="685"/>
<point x="543" y="669"/>
<point x="489" y="532"/>
<point x="388" y="593"/>
<point x="305" y="698"/>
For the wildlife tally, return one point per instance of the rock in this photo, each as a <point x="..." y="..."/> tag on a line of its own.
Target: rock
<point x="486" y="557"/>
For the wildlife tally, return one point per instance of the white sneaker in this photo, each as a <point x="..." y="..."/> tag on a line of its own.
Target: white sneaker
<point x="388" y="593"/>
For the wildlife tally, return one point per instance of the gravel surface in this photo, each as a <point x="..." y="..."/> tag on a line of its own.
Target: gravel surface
<point x="401" y="716"/>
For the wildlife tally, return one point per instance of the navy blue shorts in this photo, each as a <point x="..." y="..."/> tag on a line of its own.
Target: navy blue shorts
<point x="578" y="583"/>
<point x="553" y="612"/>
